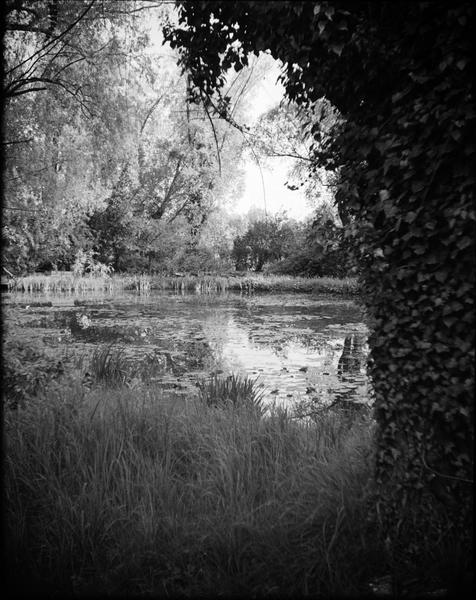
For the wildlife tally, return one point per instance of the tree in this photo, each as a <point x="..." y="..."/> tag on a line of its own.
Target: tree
<point x="269" y="239"/>
<point x="67" y="153"/>
<point x="321" y="248"/>
<point x="58" y="144"/>
<point x="398" y="74"/>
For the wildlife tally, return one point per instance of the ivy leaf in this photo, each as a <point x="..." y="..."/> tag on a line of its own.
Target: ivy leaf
<point x="337" y="48"/>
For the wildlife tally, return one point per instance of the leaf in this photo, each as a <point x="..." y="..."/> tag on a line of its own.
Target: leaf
<point x="464" y="242"/>
<point x="418" y="186"/>
<point x="456" y="135"/>
<point x="337" y="48"/>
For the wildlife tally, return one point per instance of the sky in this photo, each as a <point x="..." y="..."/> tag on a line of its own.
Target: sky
<point x="276" y="197"/>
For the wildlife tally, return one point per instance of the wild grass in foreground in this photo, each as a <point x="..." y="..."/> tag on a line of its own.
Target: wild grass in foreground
<point x="232" y="390"/>
<point x="115" y="493"/>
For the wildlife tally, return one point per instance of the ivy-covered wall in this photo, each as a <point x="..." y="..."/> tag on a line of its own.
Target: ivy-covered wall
<point x="400" y="75"/>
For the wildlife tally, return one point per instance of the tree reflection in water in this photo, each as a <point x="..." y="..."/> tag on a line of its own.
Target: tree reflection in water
<point x="352" y="358"/>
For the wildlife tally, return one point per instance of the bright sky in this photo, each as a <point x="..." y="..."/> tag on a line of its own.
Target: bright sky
<point x="276" y="197"/>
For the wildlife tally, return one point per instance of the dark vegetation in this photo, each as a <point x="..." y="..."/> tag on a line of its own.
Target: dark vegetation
<point x="398" y="74"/>
<point x="114" y="162"/>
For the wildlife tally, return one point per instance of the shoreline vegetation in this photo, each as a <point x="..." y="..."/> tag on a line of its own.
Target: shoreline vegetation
<point x="65" y="281"/>
<point x="111" y="491"/>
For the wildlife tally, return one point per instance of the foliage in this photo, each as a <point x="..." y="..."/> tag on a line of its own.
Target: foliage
<point x="101" y="150"/>
<point x="265" y="240"/>
<point x="231" y="390"/>
<point x="26" y="369"/>
<point x="323" y="249"/>
<point x="86" y="264"/>
<point x="399" y="76"/>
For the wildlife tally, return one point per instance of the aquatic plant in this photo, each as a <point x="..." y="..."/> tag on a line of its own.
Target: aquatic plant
<point x="255" y="283"/>
<point x="232" y="390"/>
<point x="67" y="281"/>
<point x="109" y="366"/>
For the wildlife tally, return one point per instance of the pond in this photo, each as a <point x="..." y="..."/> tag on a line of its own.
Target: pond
<point x="298" y="346"/>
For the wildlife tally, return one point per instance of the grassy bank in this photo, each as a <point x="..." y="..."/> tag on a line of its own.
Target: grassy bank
<point x="257" y="283"/>
<point x="108" y="492"/>
<point x="67" y="282"/>
<point x="116" y="491"/>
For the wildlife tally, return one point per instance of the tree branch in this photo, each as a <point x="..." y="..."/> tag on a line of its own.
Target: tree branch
<point x="158" y="213"/>
<point x="54" y="40"/>
<point x="149" y="112"/>
<point x="214" y="135"/>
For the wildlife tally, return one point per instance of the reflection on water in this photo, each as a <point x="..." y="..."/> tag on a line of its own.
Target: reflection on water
<point x="298" y="346"/>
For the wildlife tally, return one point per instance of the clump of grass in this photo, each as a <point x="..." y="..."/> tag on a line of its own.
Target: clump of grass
<point x="197" y="283"/>
<point x="288" y="283"/>
<point x="68" y="281"/>
<point x="155" y="496"/>
<point x="231" y="390"/>
<point x="108" y="365"/>
<point x="140" y="283"/>
<point x="345" y="285"/>
<point x="255" y="283"/>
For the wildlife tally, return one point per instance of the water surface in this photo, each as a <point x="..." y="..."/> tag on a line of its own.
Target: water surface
<point x="298" y="346"/>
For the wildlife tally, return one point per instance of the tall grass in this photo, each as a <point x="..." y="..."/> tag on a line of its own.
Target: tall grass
<point x="287" y="283"/>
<point x="109" y="366"/>
<point x="144" y="495"/>
<point x="201" y="284"/>
<point x="232" y="390"/>
<point x="67" y="281"/>
<point x="256" y="283"/>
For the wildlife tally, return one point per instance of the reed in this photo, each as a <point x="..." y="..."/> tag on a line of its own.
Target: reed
<point x="256" y="283"/>
<point x="231" y="390"/>
<point x="109" y="366"/>
<point x="67" y="281"/>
